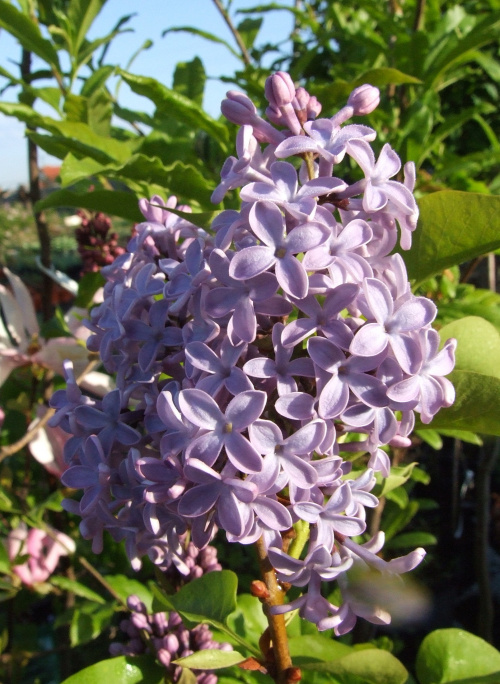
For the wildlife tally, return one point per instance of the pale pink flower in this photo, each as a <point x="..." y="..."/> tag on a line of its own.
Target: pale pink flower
<point x="43" y="550"/>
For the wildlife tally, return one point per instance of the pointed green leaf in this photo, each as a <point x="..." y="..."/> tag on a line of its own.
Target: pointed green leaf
<point x="211" y="659"/>
<point x="189" y="80"/>
<point x="113" y="202"/>
<point x="248" y="30"/>
<point x="96" y="80"/>
<point x="81" y="15"/>
<point x="385" y="76"/>
<point x="125" y="587"/>
<point x="121" y="670"/>
<point x="177" y="106"/>
<point x="453" y="654"/>
<point x="211" y="597"/>
<point x="27" y="33"/>
<point x="453" y="227"/>
<point x="76" y="588"/>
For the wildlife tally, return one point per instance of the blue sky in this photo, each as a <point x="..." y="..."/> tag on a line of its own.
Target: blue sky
<point x="152" y="18"/>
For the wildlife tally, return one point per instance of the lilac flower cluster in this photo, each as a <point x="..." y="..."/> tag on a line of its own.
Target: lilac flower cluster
<point x="254" y="361"/>
<point x="167" y="637"/>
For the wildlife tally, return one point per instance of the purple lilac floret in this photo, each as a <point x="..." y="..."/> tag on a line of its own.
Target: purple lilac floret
<point x="252" y="360"/>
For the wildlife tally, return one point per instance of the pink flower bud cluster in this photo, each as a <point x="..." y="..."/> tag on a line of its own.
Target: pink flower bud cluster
<point x="167" y="636"/>
<point x="256" y="361"/>
<point x="96" y="246"/>
<point x="44" y="551"/>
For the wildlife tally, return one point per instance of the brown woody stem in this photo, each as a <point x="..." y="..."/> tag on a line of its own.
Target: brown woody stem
<point x="277" y="628"/>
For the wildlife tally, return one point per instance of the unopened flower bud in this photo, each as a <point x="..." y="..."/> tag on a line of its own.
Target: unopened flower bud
<point x="171" y="642"/>
<point x="238" y="108"/>
<point x="134" y="603"/>
<point x="364" y="99"/>
<point x="164" y="657"/>
<point x="141" y="622"/>
<point x="279" y="89"/>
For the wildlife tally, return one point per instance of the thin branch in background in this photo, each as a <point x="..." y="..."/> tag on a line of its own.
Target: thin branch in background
<point x="418" y="22"/>
<point x="35" y="195"/>
<point x="244" y="52"/>
<point x="486" y="613"/>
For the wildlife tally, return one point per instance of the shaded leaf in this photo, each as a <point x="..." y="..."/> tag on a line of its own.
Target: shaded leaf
<point x="124" y="587"/>
<point x="77" y="588"/>
<point x="113" y="202"/>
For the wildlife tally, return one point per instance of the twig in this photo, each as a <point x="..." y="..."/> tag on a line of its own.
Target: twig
<point x="102" y="580"/>
<point x="244" y="52"/>
<point x="277" y="628"/>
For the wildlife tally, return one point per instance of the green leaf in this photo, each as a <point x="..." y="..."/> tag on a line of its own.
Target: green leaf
<point x="124" y="587"/>
<point x="177" y="106"/>
<point x="4" y="560"/>
<point x="89" y="621"/>
<point x="475" y="408"/>
<point x="410" y="540"/>
<point x="398" y="476"/>
<point x="211" y="659"/>
<point x="27" y="33"/>
<point x="462" y="435"/>
<point x="189" y="80"/>
<point x="81" y="15"/>
<point x="478" y="347"/>
<point x="370" y="666"/>
<point x="248" y="619"/>
<point x="74" y="169"/>
<point x="76" y="588"/>
<point x="453" y="227"/>
<point x="452" y="654"/>
<point x="308" y="648"/>
<point x="120" y="670"/>
<point x="471" y="301"/>
<point x="113" y="202"/>
<point x="96" y="80"/>
<point x="385" y="76"/>
<point x="248" y="30"/>
<point x="431" y="437"/>
<point x="210" y="598"/>
<point x="75" y="108"/>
